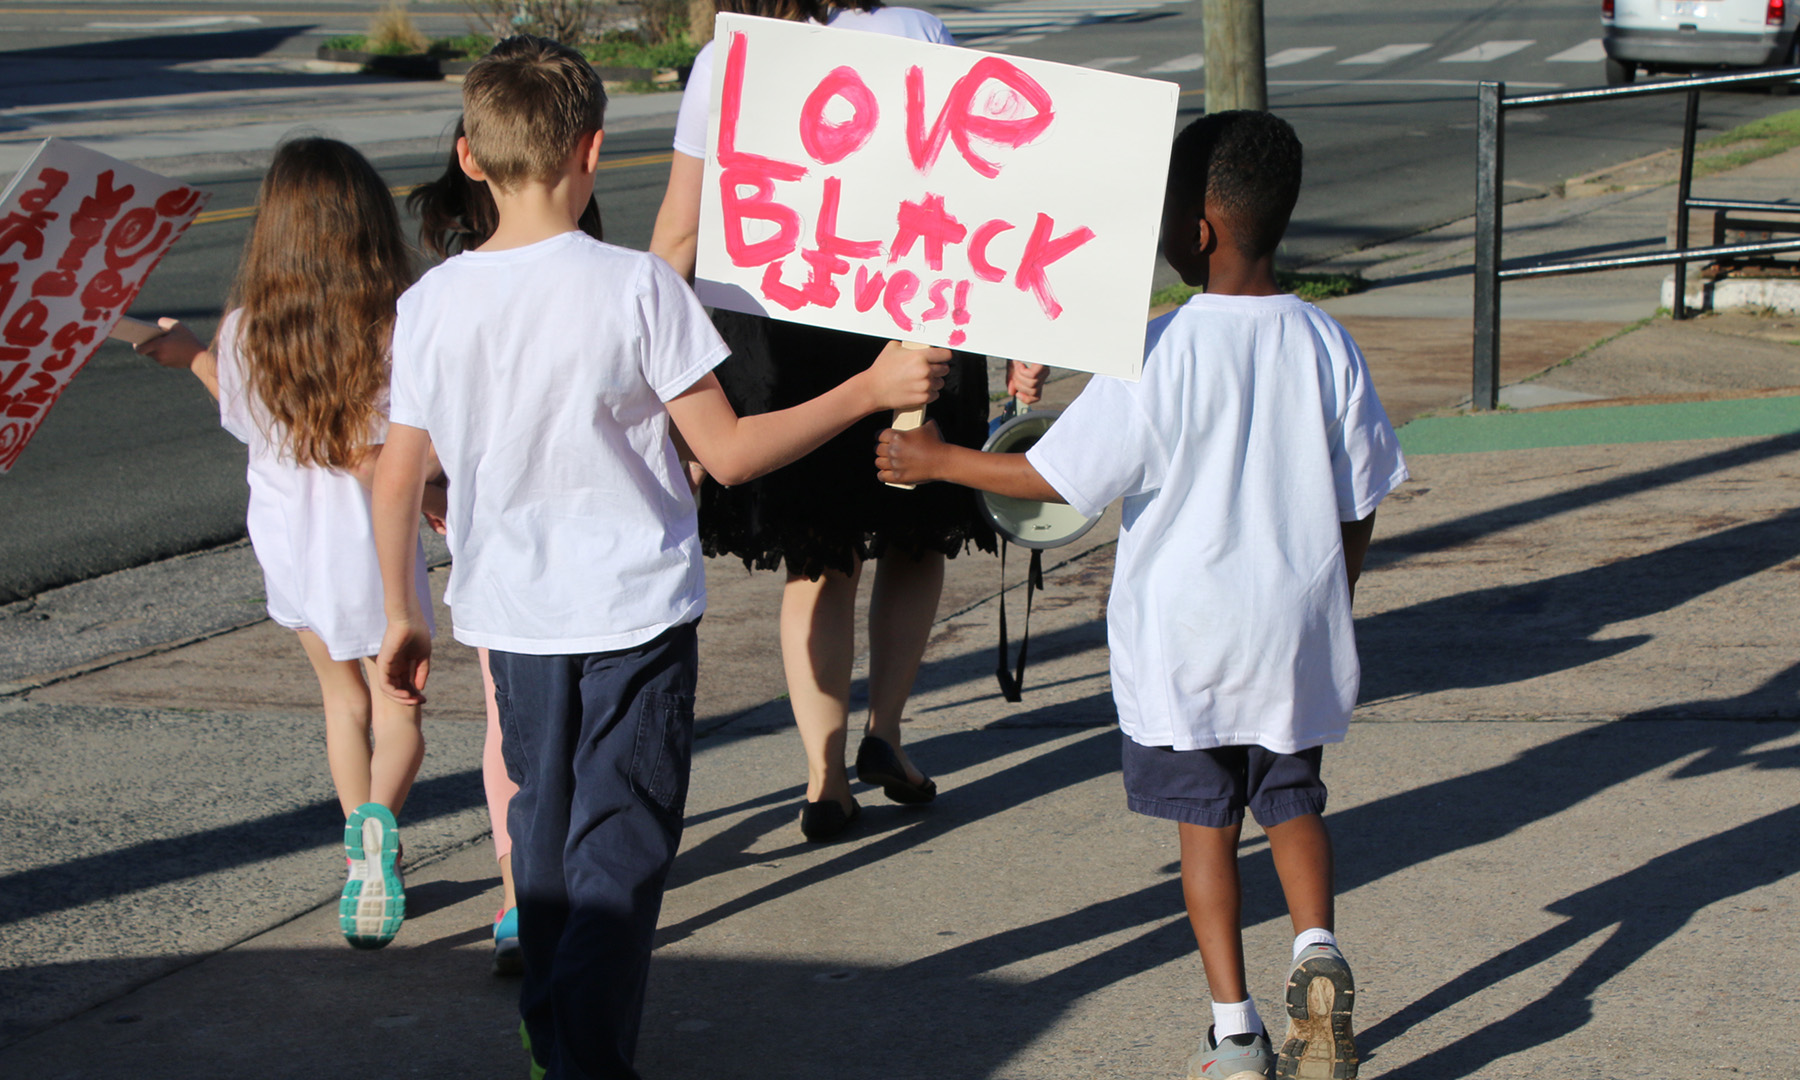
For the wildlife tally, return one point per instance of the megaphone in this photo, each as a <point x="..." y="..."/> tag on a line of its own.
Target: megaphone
<point x="1027" y="522"/>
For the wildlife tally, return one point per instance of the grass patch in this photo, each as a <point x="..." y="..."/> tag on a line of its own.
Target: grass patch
<point x="1745" y="143"/>
<point x="614" y="51"/>
<point x="1312" y="288"/>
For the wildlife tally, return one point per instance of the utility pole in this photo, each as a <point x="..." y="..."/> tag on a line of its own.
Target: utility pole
<point x="1235" y="78"/>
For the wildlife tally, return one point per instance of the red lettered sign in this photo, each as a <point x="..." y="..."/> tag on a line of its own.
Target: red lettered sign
<point x="908" y="190"/>
<point x="79" y="233"/>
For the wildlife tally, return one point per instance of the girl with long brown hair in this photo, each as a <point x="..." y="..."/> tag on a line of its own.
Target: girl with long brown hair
<point x="300" y="369"/>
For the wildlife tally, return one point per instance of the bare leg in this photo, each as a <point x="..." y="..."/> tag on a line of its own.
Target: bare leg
<point x="1209" y="884"/>
<point x="902" y="606"/>
<point x="818" y="644"/>
<point x="499" y="786"/>
<point x="399" y="746"/>
<point x="1301" y="849"/>
<point x="346" y="699"/>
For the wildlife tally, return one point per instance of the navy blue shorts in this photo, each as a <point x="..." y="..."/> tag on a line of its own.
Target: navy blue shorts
<point x="1212" y="787"/>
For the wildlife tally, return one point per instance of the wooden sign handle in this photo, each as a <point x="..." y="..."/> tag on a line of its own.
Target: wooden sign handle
<point x="908" y="419"/>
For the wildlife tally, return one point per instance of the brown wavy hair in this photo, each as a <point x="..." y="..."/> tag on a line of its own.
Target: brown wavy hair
<point x="319" y="279"/>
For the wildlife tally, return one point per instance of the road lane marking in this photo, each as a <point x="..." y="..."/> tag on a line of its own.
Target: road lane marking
<point x="194" y="23"/>
<point x="401" y="191"/>
<point x="1487" y="50"/>
<point x="1190" y="62"/>
<point x="1385" y="54"/>
<point x="1297" y="56"/>
<point x="1107" y="62"/>
<point x="1585" y="53"/>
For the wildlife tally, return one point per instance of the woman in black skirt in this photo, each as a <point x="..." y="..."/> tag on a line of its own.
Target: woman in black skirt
<point x="824" y="516"/>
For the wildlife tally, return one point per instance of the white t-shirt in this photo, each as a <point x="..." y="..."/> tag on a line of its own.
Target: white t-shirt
<point x="691" y="120"/>
<point x="541" y="374"/>
<point x="310" y="526"/>
<point x="1253" y="434"/>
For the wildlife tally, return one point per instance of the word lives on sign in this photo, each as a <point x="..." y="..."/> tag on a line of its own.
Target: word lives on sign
<point x="79" y="233"/>
<point x="903" y="189"/>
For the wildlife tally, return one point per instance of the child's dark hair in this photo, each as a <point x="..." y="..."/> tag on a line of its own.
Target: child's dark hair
<point x="1244" y="165"/>
<point x="458" y="214"/>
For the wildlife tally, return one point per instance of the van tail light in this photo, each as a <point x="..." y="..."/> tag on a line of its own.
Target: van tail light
<point x="1776" y="16"/>
<point x="1606" y="9"/>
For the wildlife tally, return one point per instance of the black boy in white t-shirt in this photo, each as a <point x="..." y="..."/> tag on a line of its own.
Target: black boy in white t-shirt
<point x="544" y="368"/>
<point x="1250" y="458"/>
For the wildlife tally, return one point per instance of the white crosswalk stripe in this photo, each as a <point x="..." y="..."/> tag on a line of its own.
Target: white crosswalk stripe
<point x="1190" y="62"/>
<point x="1297" y="56"/>
<point x="1585" y="53"/>
<point x="1045" y="16"/>
<point x="1106" y="63"/>
<point x="1487" y="50"/>
<point x="1385" y="54"/>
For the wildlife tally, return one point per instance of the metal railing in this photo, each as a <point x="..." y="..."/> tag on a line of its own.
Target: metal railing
<point x="1490" y="160"/>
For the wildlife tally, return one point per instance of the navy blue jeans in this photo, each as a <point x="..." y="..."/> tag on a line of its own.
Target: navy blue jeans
<point x="600" y="746"/>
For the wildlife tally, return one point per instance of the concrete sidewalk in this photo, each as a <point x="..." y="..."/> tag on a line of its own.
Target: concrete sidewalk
<point x="1566" y="817"/>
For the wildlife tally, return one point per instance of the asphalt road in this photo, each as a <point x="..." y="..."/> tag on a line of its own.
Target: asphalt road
<point x="131" y="465"/>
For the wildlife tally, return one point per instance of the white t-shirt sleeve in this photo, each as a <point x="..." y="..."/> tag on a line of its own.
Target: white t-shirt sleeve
<point x="1366" y="462"/>
<point x="235" y="414"/>
<point x="696" y="99"/>
<point x="1103" y="447"/>
<point x="405" y="404"/>
<point x="679" y="342"/>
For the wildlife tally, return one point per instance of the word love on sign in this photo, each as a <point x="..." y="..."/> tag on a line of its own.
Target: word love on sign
<point x="908" y="190"/>
<point x="79" y="233"/>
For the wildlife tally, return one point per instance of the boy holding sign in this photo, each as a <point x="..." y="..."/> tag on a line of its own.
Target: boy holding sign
<point x="1251" y="458"/>
<point x="545" y="367"/>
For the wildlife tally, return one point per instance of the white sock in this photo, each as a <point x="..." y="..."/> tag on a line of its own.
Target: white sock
<point x="1315" y="936"/>
<point x="1238" y="1018"/>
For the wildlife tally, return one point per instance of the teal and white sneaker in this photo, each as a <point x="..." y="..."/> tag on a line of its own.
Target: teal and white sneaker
<point x="509" y="958"/>
<point x="374" y="900"/>
<point x="1239" y="1057"/>
<point x="1320" y="995"/>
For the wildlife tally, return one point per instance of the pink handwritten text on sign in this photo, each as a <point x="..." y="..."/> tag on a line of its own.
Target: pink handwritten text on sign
<point x="79" y="233"/>
<point x="931" y="192"/>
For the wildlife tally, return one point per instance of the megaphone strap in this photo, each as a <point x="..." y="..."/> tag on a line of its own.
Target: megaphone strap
<point x="1012" y="683"/>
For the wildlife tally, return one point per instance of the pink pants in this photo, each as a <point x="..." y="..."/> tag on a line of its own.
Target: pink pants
<point x="500" y="788"/>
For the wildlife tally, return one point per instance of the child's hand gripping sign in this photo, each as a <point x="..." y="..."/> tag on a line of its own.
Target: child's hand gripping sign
<point x="901" y="189"/>
<point x="79" y="233"/>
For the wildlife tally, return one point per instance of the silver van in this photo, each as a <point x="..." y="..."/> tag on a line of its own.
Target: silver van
<point x="1685" y="35"/>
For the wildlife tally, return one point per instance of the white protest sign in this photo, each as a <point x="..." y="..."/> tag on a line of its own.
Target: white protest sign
<point x="79" y="233"/>
<point x="902" y="189"/>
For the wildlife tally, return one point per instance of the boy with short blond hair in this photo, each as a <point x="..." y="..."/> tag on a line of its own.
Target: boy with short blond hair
<point x="545" y="368"/>
<point x="1251" y="457"/>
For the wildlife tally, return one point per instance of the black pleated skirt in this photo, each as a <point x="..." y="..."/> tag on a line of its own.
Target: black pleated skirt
<point x="828" y="510"/>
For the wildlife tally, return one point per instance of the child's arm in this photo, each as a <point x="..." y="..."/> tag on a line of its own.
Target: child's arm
<point x="1356" y="545"/>
<point x="920" y="455"/>
<point x="177" y="347"/>
<point x="400" y="475"/>
<point x="735" y="449"/>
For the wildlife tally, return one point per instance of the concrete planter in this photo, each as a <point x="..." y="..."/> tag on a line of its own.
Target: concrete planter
<point x="425" y="66"/>
<point x="1726" y="293"/>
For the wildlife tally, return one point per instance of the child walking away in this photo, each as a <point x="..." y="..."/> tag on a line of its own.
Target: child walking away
<point x="545" y="368"/>
<point x="457" y="214"/>
<point x="300" y="370"/>
<point x="1251" y="458"/>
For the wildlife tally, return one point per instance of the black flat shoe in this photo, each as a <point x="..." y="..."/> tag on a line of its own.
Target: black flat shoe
<point x="827" y="819"/>
<point x="878" y="764"/>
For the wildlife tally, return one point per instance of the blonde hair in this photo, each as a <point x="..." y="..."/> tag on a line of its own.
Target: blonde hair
<point x="321" y="273"/>
<point x="525" y="106"/>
